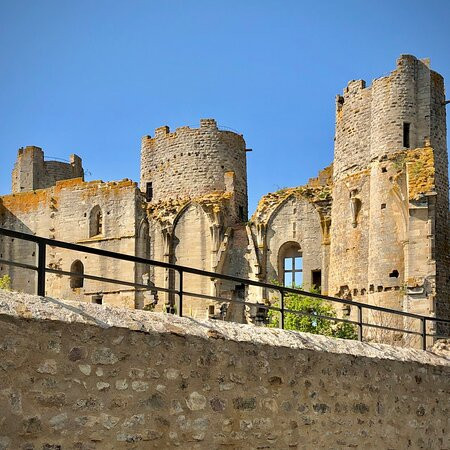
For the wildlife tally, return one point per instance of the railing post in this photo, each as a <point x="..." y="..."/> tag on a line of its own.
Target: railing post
<point x="282" y="309"/>
<point x="424" y="333"/>
<point x="360" y="324"/>
<point x="41" y="269"/>
<point x="180" y="295"/>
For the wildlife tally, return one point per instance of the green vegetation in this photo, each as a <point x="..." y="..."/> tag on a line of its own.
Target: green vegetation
<point x="311" y="324"/>
<point x="399" y="163"/>
<point x="417" y="168"/>
<point x="149" y="307"/>
<point x="5" y="282"/>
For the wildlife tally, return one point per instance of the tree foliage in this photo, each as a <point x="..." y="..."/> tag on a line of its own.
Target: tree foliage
<point x="5" y="282"/>
<point x="311" y="323"/>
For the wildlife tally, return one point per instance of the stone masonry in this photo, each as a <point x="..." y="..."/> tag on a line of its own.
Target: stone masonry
<point x="372" y="227"/>
<point x="82" y="376"/>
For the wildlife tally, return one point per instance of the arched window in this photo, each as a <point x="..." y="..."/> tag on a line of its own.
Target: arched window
<point x="96" y="222"/>
<point x="290" y="264"/>
<point x="77" y="269"/>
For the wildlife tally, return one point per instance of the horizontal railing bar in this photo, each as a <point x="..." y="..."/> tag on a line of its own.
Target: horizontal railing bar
<point x="111" y="280"/>
<point x="268" y="307"/>
<point x="17" y="264"/>
<point x="212" y="275"/>
<point x="382" y="327"/>
<point x="210" y="297"/>
<point x="189" y="294"/>
<point x="193" y="294"/>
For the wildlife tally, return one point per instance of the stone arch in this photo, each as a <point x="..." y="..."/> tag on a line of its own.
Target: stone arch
<point x="96" y="225"/>
<point x="143" y="240"/>
<point x="76" y="279"/>
<point x="275" y="211"/>
<point x="402" y="219"/>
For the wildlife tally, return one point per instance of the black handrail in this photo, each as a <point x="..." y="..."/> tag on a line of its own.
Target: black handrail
<point x="41" y="269"/>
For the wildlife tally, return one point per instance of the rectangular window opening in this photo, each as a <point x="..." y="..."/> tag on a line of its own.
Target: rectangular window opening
<point x="406" y="130"/>
<point x="292" y="271"/>
<point x="241" y="213"/>
<point x="98" y="299"/>
<point x="149" y="191"/>
<point x="316" y="279"/>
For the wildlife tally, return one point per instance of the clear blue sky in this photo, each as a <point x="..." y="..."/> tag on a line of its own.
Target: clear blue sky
<point x="93" y="76"/>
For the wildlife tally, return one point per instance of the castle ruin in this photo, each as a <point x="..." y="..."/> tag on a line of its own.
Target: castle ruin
<point x="372" y="227"/>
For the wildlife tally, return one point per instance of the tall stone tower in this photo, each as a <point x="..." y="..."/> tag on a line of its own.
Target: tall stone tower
<point x="389" y="230"/>
<point x="194" y="162"/>
<point x="195" y="182"/>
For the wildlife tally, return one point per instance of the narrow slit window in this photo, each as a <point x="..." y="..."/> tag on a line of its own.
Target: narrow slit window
<point x="241" y="213"/>
<point x="406" y="132"/>
<point x="149" y="191"/>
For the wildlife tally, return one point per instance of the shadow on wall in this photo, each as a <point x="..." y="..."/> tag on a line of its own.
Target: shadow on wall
<point x="25" y="252"/>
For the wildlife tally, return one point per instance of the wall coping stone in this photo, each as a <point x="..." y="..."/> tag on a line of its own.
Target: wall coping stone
<point x="32" y="307"/>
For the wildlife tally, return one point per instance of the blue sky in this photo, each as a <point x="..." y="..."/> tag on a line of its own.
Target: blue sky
<point x="92" y="77"/>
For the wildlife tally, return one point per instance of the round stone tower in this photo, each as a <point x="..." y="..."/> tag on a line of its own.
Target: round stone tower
<point x="386" y="240"/>
<point x="401" y="108"/>
<point x="194" y="162"/>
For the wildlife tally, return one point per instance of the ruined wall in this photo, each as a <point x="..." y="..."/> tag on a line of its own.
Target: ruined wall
<point x="32" y="172"/>
<point x="349" y="238"/>
<point x="193" y="162"/>
<point x="290" y="217"/>
<point x="64" y="213"/>
<point x="296" y="220"/>
<point x="76" y="375"/>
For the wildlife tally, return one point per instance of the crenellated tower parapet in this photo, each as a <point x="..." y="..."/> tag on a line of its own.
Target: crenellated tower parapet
<point x="194" y="162"/>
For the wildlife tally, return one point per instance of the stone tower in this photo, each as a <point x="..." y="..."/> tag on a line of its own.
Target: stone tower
<point x="389" y="230"/>
<point x="194" y="162"/>
<point x="195" y="183"/>
<point x="31" y="172"/>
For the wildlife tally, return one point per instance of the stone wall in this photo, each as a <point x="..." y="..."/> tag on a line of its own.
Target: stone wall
<point x="63" y="212"/>
<point x="76" y="375"/>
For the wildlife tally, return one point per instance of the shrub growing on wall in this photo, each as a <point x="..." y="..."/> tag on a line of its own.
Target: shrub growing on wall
<point x="311" y="323"/>
<point x="5" y="282"/>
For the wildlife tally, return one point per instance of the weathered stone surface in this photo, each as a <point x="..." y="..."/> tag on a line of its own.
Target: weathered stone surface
<point x="289" y="390"/>
<point x="371" y="227"/>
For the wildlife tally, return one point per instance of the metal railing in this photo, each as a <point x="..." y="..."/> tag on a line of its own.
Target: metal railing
<point x="42" y="269"/>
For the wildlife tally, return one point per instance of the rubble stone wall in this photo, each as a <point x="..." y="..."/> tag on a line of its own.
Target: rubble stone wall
<point x="77" y="375"/>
